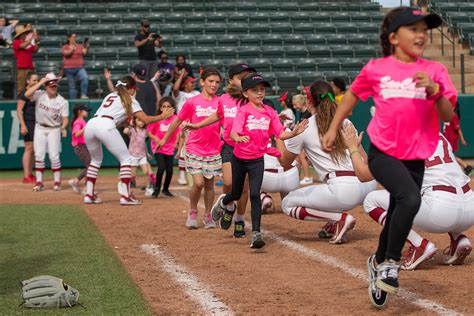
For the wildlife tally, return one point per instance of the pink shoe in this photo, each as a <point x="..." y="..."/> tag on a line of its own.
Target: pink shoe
<point x="192" y="222"/>
<point x="415" y="256"/>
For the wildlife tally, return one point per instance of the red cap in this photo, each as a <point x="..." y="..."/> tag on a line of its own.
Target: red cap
<point x="186" y="81"/>
<point x="283" y="97"/>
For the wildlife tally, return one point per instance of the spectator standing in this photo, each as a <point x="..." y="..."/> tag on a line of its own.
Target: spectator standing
<point x="301" y="105"/>
<point x="73" y="64"/>
<point x="23" y="49"/>
<point x="6" y="30"/>
<point x="180" y="65"/>
<point x="287" y="115"/>
<point x="339" y="87"/>
<point x="25" y="110"/>
<point x="146" y="41"/>
<point x="166" y="78"/>
<point x="148" y="95"/>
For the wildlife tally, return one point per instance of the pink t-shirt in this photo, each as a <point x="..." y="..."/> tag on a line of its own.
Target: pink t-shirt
<point x="137" y="146"/>
<point x="259" y="125"/>
<point x="227" y="111"/>
<point x="405" y="124"/>
<point x="204" y="142"/>
<point x="77" y="58"/>
<point x="78" y="124"/>
<point x="159" y="130"/>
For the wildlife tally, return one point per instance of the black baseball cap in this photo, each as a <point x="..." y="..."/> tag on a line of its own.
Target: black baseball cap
<point x="140" y="71"/>
<point x="251" y="81"/>
<point x="81" y="107"/>
<point x="238" y="68"/>
<point x="413" y="15"/>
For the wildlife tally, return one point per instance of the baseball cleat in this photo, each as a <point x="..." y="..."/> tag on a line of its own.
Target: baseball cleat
<point x="217" y="209"/>
<point x="182" y="181"/>
<point x="191" y="221"/>
<point x="345" y="224"/>
<point x="377" y="297"/>
<point x="257" y="241"/>
<point x="458" y="250"/>
<point x="387" y="276"/>
<point x="130" y="200"/>
<point x="57" y="187"/>
<point x="414" y="256"/>
<point x="74" y="186"/>
<point x="149" y="191"/>
<point x="168" y="193"/>
<point x="208" y="222"/>
<point x="38" y="187"/>
<point x="239" y="229"/>
<point x="328" y="230"/>
<point x="92" y="199"/>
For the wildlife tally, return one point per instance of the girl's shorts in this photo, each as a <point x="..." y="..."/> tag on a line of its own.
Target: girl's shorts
<point x="209" y="167"/>
<point x="138" y="161"/>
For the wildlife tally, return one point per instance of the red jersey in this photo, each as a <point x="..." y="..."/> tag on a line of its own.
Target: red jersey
<point x="451" y="132"/>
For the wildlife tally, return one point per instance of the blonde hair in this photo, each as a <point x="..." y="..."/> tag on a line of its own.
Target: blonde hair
<point x="323" y="96"/>
<point x="299" y="98"/>
<point x="126" y="83"/>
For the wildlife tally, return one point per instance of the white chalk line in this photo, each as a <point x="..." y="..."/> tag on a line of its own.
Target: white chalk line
<point x="334" y="262"/>
<point x="195" y="289"/>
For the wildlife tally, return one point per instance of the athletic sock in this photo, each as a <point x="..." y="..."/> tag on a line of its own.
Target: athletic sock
<point x="125" y="179"/>
<point x="308" y="214"/>
<point x="39" y="168"/>
<point x="414" y="239"/>
<point x="239" y="218"/>
<point x="91" y="177"/>
<point x="378" y="214"/>
<point x="56" y="168"/>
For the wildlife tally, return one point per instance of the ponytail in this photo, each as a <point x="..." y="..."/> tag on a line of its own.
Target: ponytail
<point x="325" y="104"/>
<point x="123" y="85"/>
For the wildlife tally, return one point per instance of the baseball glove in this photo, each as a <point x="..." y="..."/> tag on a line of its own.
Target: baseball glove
<point x="46" y="291"/>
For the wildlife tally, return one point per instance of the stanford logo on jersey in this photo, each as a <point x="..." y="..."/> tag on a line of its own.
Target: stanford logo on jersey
<point x="204" y="111"/>
<point x="164" y="127"/>
<point x="230" y="111"/>
<point x="254" y="123"/>
<point x="403" y="89"/>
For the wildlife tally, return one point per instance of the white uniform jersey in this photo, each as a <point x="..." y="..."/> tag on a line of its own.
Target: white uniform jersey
<point x="321" y="160"/>
<point x="442" y="168"/>
<point x="49" y="112"/>
<point x="182" y="97"/>
<point x="112" y="106"/>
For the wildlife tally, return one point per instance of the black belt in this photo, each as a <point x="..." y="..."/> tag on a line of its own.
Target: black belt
<point x="44" y="125"/>
<point x="106" y="116"/>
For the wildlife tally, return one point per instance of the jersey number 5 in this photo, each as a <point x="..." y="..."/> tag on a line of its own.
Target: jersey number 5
<point x="109" y="101"/>
<point x="437" y="160"/>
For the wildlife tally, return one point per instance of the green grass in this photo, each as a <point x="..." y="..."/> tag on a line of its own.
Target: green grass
<point x="65" y="173"/>
<point x="60" y="240"/>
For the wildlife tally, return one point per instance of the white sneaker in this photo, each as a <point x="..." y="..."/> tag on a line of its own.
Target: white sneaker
<point x="305" y="181"/>
<point x="149" y="191"/>
<point x="191" y="221"/>
<point x="74" y="186"/>
<point x="38" y="187"/>
<point x="92" y="200"/>
<point x="57" y="188"/>
<point x="131" y="200"/>
<point x="182" y="181"/>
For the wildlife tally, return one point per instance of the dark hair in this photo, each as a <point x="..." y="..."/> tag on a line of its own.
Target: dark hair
<point x="170" y="100"/>
<point x="69" y="35"/>
<point x="210" y="71"/>
<point x="326" y="109"/>
<point x="76" y="110"/>
<point x="236" y="91"/>
<point x="162" y="52"/>
<point x="387" y="48"/>
<point x="29" y="74"/>
<point x="122" y="92"/>
<point x="181" y="55"/>
<point x="340" y="83"/>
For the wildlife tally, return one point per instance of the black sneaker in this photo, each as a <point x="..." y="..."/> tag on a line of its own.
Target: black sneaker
<point x="239" y="229"/>
<point x="387" y="276"/>
<point x="468" y="170"/>
<point x="257" y="241"/>
<point x="155" y="193"/>
<point x="377" y="297"/>
<point x="226" y="219"/>
<point x="168" y="193"/>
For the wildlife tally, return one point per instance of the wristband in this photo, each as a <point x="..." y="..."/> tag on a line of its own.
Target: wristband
<point x="353" y="152"/>
<point x="437" y="94"/>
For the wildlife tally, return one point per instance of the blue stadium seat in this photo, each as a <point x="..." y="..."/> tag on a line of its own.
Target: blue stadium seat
<point x="249" y="40"/>
<point x="229" y="52"/>
<point x="293" y="39"/>
<point x="271" y="39"/>
<point x="272" y="52"/>
<point x="282" y="64"/>
<point x="193" y="29"/>
<point x="248" y="52"/>
<point x="296" y="51"/>
<point x="341" y="51"/>
<point x="327" y="64"/>
<point x="227" y="40"/>
<point x="218" y="17"/>
<point x="183" y="40"/>
<point x="318" y="51"/>
<point x="201" y="52"/>
<point x="304" y="64"/>
<point x="215" y="28"/>
<point x="260" y="64"/>
<point x="237" y="28"/>
<point x="206" y="41"/>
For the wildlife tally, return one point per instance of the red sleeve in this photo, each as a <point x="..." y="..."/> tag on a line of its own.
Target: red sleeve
<point x="455" y="122"/>
<point x="186" y="112"/>
<point x="362" y="87"/>
<point x="16" y="44"/>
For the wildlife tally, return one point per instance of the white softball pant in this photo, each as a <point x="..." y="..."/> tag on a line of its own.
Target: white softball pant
<point x="102" y="131"/>
<point x="337" y="195"/>
<point x="47" y="138"/>
<point x="440" y="211"/>
<point x="281" y="182"/>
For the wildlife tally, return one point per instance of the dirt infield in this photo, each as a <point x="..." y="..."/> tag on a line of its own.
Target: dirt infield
<point x="207" y="271"/>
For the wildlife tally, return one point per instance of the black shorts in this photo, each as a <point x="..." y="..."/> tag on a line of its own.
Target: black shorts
<point x="30" y="125"/>
<point x="227" y="152"/>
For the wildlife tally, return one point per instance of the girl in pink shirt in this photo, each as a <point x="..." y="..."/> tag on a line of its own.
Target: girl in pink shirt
<point x="410" y="95"/>
<point x="253" y="126"/>
<point x="81" y="111"/>
<point x="165" y="155"/>
<point x="203" y="159"/>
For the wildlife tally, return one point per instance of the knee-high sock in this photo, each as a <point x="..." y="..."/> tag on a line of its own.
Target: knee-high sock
<point x="307" y="214"/>
<point x="92" y="172"/>
<point x="56" y="168"/>
<point x="39" y="167"/>
<point x="125" y="178"/>
<point x="378" y="214"/>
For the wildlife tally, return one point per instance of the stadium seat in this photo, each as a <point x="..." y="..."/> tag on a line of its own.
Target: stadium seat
<point x="134" y="18"/>
<point x="341" y="17"/>
<point x="97" y="41"/>
<point x="313" y="7"/>
<point x="34" y="8"/>
<point x="327" y="64"/>
<point x="360" y="39"/>
<point x="303" y="28"/>
<point x="278" y="17"/>
<point x="215" y="28"/>
<point x="170" y="29"/>
<point x="293" y="39"/>
<point x="52" y="41"/>
<point x="271" y="39"/>
<point x="330" y="75"/>
<point x="117" y="41"/>
<point x="346" y="28"/>
<point x="201" y="52"/>
<point x="260" y="64"/>
<point x="239" y="18"/>
<point x="227" y="40"/>
<point x="374" y="39"/>
<point x="198" y="18"/>
<point x="143" y="7"/>
<point x="229" y="52"/>
<point x="160" y="7"/>
<point x="368" y="28"/>
<point x="352" y="74"/>
<point x="217" y="18"/>
<point x="246" y="7"/>
<point x="267" y="6"/>
<point x="117" y="8"/>
<point x="111" y="53"/>
<point x="68" y="18"/>
<point x="337" y="39"/>
<point x="358" y="17"/>
<point x="272" y="52"/>
<point x="111" y="18"/>
<point x="183" y="7"/>
<point x="248" y="52"/>
<point x="281" y="28"/>
<point x="55" y="8"/>
<point x="175" y="51"/>
<point x="154" y="17"/>
<point x="288" y="81"/>
<point x="54" y="53"/>
<point x="320" y="17"/>
<point x="183" y="40"/>
<point x="90" y="19"/>
<point x="77" y="8"/>
<point x="377" y="18"/>
<point x="95" y="67"/>
<point x="81" y="30"/>
<point x="206" y="41"/>
<point x="370" y="7"/>
<point x="58" y="30"/>
<point x="282" y="64"/>
<point x="237" y="28"/>
<point x="351" y="64"/>
<point x="174" y="18"/>
<point x="300" y="17"/>
<point x="341" y="51"/>
<point x="105" y="29"/>
<point x="221" y="6"/>
<point x="96" y="8"/>
<point x="192" y="29"/>
<point x="194" y="63"/>
<point x="27" y="18"/>
<point x="47" y="18"/>
<point x="331" y="7"/>
<point x="40" y="54"/>
<point x="43" y="67"/>
<point x="325" y="28"/>
<point x="318" y="51"/>
<point x="259" y="28"/>
<point x="314" y="39"/>
<point x="365" y="51"/>
<point x="249" y="40"/>
<point x="216" y="63"/>
<point x="304" y="64"/>
<point x="308" y="77"/>
<point x="289" y="6"/>
<point x="295" y="51"/>
<point x="126" y="29"/>
<point x="270" y="77"/>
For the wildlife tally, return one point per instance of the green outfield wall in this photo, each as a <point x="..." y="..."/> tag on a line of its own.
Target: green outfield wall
<point x="11" y="142"/>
